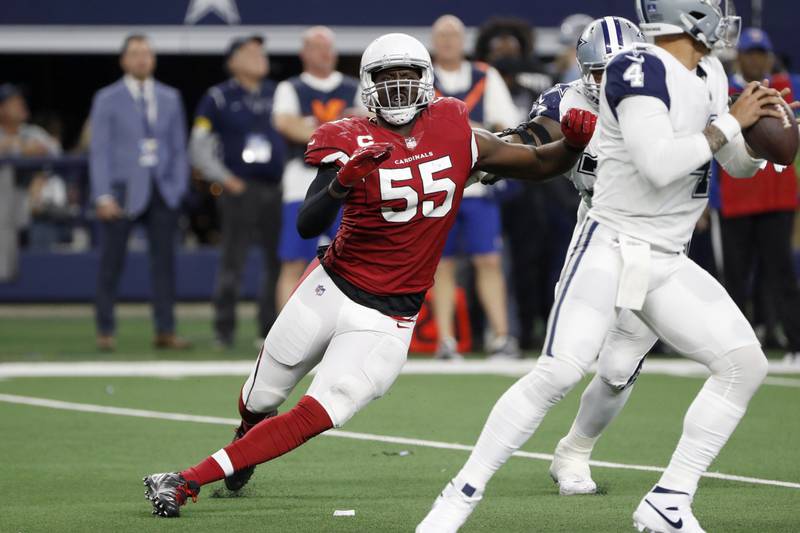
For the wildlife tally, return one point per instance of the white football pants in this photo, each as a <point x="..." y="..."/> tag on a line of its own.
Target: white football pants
<point x="684" y="305"/>
<point x="360" y="351"/>
<point x="628" y="340"/>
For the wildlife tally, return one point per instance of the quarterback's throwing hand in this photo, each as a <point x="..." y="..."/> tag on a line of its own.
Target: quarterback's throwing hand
<point x="577" y="125"/>
<point x="364" y="161"/>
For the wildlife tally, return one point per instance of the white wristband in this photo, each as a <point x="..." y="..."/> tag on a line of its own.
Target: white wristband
<point x="728" y="125"/>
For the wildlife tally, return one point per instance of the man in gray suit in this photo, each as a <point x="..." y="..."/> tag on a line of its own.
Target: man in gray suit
<point x="139" y="173"/>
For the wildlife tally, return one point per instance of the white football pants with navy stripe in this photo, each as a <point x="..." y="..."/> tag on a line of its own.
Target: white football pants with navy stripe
<point x="628" y="340"/>
<point x="684" y="305"/>
<point x="359" y="350"/>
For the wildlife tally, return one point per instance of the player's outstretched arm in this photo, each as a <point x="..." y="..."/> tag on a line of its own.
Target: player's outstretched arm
<point x="536" y="163"/>
<point x="333" y="184"/>
<point x="536" y="132"/>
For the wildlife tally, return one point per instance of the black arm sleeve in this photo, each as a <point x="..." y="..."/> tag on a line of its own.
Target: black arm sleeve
<point x="526" y="132"/>
<point x="319" y="209"/>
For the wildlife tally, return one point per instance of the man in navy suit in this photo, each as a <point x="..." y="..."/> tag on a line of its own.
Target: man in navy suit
<point x="139" y="173"/>
<point x="235" y="147"/>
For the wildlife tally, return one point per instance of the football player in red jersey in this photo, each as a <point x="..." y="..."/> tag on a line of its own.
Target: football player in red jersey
<point x="400" y="177"/>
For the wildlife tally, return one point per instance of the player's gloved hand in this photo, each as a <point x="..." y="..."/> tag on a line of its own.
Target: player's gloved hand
<point x="364" y="161"/>
<point x="577" y="125"/>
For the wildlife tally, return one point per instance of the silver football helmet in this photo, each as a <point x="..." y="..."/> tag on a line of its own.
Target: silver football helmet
<point x="712" y="22"/>
<point x="601" y="39"/>
<point x="391" y="51"/>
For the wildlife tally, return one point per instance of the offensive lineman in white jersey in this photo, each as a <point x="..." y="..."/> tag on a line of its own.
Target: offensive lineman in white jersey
<point x="663" y="116"/>
<point x="629" y="337"/>
<point x="607" y="393"/>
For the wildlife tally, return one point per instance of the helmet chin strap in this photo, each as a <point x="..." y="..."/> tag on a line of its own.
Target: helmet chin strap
<point x="398" y="117"/>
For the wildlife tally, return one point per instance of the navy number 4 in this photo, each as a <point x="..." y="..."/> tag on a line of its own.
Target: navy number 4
<point x="701" y="189"/>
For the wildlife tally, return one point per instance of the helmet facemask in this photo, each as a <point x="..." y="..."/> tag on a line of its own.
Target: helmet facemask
<point x="711" y="22"/>
<point x="590" y="86"/>
<point x="397" y="101"/>
<point x="724" y="35"/>
<point x="729" y="27"/>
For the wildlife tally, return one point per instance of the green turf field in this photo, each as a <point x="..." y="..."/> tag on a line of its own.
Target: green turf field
<point x="64" y="470"/>
<point x="53" y="333"/>
<point x="70" y="471"/>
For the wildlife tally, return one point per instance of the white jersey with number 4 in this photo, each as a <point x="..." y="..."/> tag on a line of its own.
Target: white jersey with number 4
<point x="626" y="198"/>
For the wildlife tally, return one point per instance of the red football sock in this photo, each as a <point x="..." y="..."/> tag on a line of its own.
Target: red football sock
<point x="204" y="472"/>
<point x="267" y="440"/>
<point x="274" y="437"/>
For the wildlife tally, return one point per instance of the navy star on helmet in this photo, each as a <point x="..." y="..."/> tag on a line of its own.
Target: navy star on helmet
<point x="711" y="22"/>
<point x="600" y="41"/>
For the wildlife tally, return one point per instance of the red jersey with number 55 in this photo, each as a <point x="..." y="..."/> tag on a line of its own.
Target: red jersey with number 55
<point x="395" y="223"/>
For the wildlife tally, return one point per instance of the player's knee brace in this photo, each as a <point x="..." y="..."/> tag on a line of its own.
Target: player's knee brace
<point x="345" y="397"/>
<point x="250" y="415"/>
<point x="344" y="390"/>
<point x="262" y="399"/>
<point x="737" y="375"/>
<point x="551" y="379"/>
<point x="618" y="373"/>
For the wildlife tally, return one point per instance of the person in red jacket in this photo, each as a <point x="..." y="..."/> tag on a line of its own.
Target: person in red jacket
<point x="757" y="215"/>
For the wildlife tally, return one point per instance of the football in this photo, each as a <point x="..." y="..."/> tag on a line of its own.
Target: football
<point x="775" y="139"/>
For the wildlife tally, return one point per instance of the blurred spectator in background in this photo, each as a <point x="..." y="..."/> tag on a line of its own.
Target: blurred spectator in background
<point x="54" y="203"/>
<point x="318" y="95"/>
<point x="476" y="231"/>
<point x="507" y="45"/>
<point x="757" y="215"/>
<point x="565" y="66"/>
<point x="139" y="173"/>
<point x="235" y="146"/>
<point x="17" y="139"/>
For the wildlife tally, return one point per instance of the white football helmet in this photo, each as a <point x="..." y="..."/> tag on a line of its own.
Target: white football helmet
<point x="395" y="50"/>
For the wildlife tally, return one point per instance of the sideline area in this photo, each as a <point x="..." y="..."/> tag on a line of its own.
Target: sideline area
<point x="780" y="372"/>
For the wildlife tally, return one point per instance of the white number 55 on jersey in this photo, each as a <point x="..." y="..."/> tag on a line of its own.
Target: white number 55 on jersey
<point x="392" y="189"/>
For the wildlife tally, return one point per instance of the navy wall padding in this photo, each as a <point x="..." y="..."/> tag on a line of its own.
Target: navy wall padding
<point x="71" y="277"/>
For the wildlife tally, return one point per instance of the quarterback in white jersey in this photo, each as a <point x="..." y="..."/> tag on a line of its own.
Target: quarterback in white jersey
<point x="661" y="119"/>
<point x="644" y="190"/>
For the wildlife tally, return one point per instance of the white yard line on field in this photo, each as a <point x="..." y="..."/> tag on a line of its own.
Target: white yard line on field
<point x="182" y="417"/>
<point x="177" y="369"/>
<point x="782" y="382"/>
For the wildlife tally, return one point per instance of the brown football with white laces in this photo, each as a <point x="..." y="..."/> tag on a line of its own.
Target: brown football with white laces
<point x="775" y="139"/>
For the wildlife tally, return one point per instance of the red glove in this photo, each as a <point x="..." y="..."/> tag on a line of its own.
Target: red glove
<point x="577" y="125"/>
<point x="363" y="162"/>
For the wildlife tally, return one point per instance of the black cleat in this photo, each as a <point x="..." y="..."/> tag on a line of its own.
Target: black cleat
<point x="239" y="479"/>
<point x="168" y="491"/>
